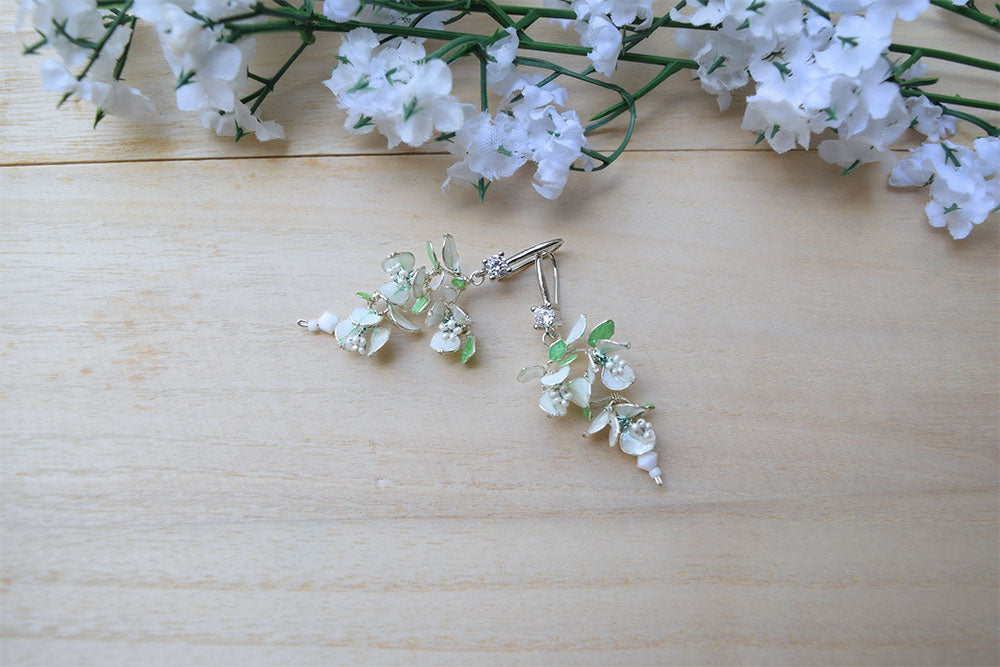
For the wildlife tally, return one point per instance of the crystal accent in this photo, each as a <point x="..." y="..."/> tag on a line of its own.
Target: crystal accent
<point x="545" y="318"/>
<point x="496" y="266"/>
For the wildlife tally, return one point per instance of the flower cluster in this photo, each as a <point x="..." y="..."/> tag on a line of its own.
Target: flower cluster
<point x="408" y="290"/>
<point x="964" y="182"/>
<point x="822" y="72"/>
<point x="625" y="420"/>
<point x="813" y="74"/>
<point x="73" y="28"/>
<point x="396" y="89"/>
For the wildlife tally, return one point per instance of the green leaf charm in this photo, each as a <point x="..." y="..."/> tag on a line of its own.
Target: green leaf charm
<point x="469" y="349"/>
<point x="420" y="304"/>
<point x="557" y="350"/>
<point x="568" y="360"/>
<point x="458" y="283"/>
<point x="586" y="411"/>
<point x="433" y="256"/>
<point x="602" y="331"/>
<point x="365" y="295"/>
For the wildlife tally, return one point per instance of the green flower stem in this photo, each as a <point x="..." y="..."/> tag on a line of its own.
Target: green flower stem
<point x="119" y="19"/>
<point x="625" y="95"/>
<point x="266" y="89"/>
<point x="968" y="12"/>
<point x="947" y="55"/>
<point x="991" y="130"/>
<point x="295" y="21"/>
<point x="615" y="110"/>
<point x="120" y="63"/>
<point x="953" y="99"/>
<point x="484" y="101"/>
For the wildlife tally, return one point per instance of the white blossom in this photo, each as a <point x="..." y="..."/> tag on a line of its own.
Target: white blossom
<point x="964" y="182"/>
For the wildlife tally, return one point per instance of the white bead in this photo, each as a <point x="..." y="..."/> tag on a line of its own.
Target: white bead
<point x="655" y="472"/>
<point x="647" y="461"/>
<point x="327" y="321"/>
<point x="311" y="325"/>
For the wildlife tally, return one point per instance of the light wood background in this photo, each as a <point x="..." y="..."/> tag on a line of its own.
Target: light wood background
<point x="189" y="478"/>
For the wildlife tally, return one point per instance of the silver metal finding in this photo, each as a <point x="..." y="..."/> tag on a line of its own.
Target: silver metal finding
<point x="547" y="315"/>
<point x="498" y="266"/>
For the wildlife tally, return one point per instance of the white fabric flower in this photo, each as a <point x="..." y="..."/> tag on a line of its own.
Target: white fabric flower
<point x="113" y="97"/>
<point x="928" y="118"/>
<point x="964" y="182"/>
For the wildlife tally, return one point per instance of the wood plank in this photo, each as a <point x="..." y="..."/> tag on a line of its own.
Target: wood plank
<point x="191" y="478"/>
<point x="678" y="116"/>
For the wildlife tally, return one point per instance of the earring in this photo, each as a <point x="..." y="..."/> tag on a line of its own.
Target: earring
<point x="624" y="419"/>
<point x="407" y="292"/>
<point x="436" y="289"/>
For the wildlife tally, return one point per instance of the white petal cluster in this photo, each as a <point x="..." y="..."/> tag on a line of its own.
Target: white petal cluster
<point x="530" y="129"/>
<point x="392" y="89"/>
<point x="599" y="22"/>
<point x="57" y="21"/>
<point x="812" y="74"/>
<point x="964" y="182"/>
<point x="215" y="71"/>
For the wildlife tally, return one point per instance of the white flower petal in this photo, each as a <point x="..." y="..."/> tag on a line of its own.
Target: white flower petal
<point x="531" y="373"/>
<point x="579" y="391"/>
<point x="364" y="317"/>
<point x="441" y="344"/>
<point x="344" y="330"/>
<point x="404" y="259"/>
<point x="379" y="337"/>
<point x="634" y="445"/>
<point x="620" y="381"/>
<point x="546" y="403"/>
<point x="578" y="330"/>
<point x="555" y="378"/>
<point x="599" y="422"/>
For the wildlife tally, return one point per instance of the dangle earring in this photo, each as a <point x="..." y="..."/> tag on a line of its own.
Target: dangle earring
<point x="412" y="291"/>
<point x="434" y="292"/>
<point x="624" y="419"/>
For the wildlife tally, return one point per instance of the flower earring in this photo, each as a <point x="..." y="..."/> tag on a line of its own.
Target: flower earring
<point x="598" y="357"/>
<point x="435" y="290"/>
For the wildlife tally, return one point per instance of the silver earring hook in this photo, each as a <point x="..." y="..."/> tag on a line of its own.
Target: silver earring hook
<point x="543" y="286"/>
<point x="498" y="266"/>
<point x="547" y="316"/>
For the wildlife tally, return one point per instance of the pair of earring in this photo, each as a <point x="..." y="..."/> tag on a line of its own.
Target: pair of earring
<point x="576" y="371"/>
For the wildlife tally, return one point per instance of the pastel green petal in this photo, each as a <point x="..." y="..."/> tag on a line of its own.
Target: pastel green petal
<point x="418" y="281"/>
<point x="579" y="391"/>
<point x="634" y="445"/>
<point x="609" y="347"/>
<point x="629" y="410"/>
<point x="460" y="315"/>
<point x="435" y="314"/>
<point x="449" y="253"/>
<point x="578" y="329"/>
<point x="393" y="293"/>
<point x="432" y="256"/>
<point x="344" y="330"/>
<point x="557" y="350"/>
<point x="364" y="317"/>
<point x="404" y="259"/>
<point x="531" y="373"/>
<point x="396" y="315"/>
<point x="599" y="422"/>
<point x="441" y="344"/>
<point x="618" y="382"/>
<point x="557" y="377"/>
<point x="379" y="337"/>
<point x="545" y="403"/>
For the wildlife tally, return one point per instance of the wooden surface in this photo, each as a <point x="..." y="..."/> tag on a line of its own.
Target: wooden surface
<point x="189" y="478"/>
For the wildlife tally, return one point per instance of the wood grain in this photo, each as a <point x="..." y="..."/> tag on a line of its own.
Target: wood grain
<point x="189" y="478"/>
